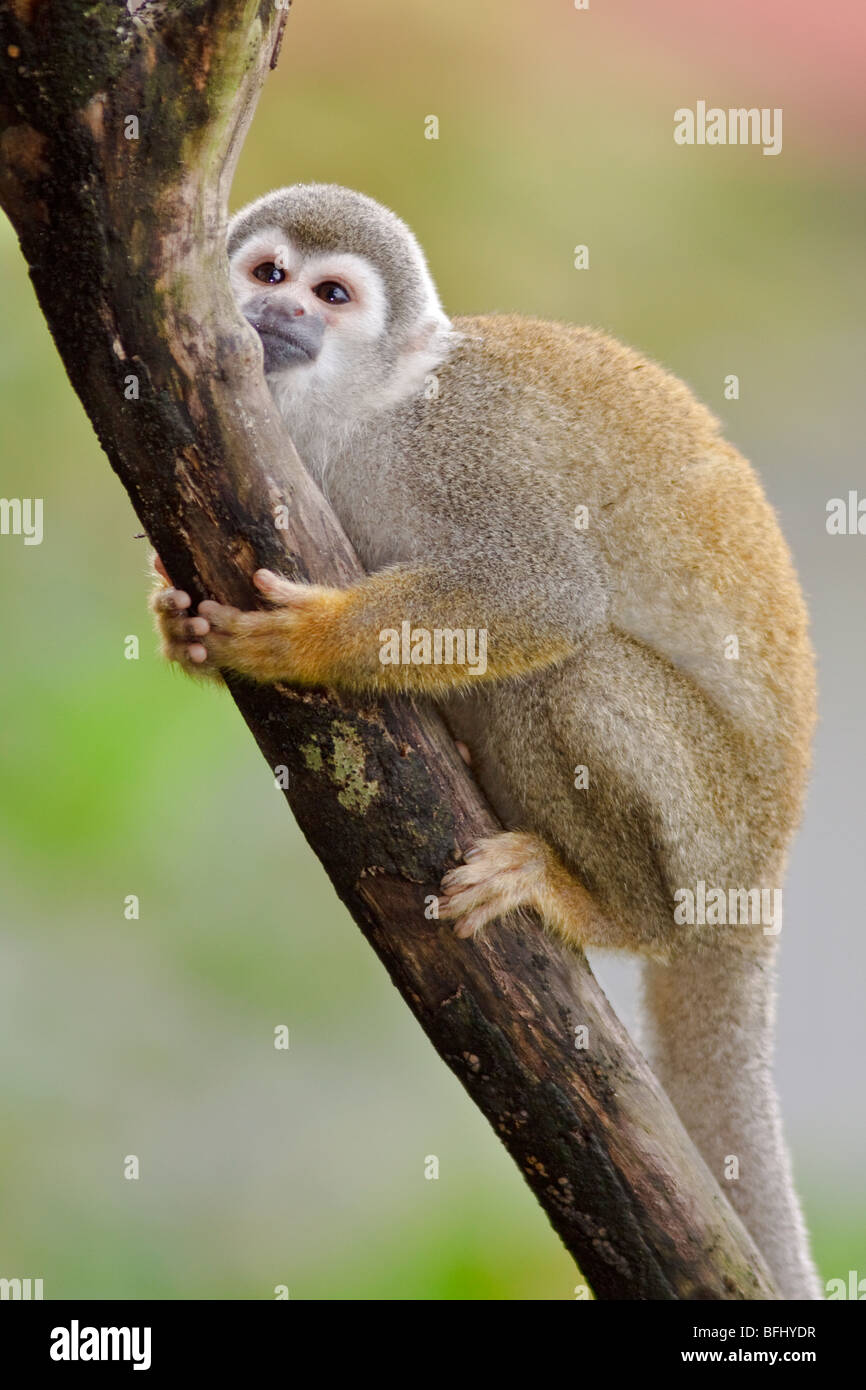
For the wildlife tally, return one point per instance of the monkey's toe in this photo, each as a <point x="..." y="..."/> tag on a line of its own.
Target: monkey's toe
<point x="501" y="875"/>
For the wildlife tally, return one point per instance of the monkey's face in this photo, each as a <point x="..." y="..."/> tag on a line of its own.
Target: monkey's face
<point x="338" y="290"/>
<point x="317" y="316"/>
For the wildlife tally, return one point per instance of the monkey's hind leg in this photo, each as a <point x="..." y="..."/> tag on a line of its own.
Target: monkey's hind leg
<point x="514" y="870"/>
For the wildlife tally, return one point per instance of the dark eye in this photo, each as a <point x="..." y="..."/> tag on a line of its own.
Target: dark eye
<point x="332" y="292"/>
<point x="269" y="273"/>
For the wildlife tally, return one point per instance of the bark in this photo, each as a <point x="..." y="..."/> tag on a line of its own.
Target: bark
<point x="124" y="235"/>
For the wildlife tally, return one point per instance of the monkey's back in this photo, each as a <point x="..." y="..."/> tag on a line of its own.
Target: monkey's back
<point x="692" y="705"/>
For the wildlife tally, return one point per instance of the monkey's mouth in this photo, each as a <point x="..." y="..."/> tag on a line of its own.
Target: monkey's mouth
<point x="283" y="349"/>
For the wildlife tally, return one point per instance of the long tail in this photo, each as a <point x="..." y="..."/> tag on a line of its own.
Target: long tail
<point x="710" y="1025"/>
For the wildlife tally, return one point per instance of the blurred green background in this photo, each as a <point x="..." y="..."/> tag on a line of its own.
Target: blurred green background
<point x="155" y="1037"/>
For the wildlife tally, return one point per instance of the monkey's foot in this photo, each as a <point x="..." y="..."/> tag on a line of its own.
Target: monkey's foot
<point x="501" y="874"/>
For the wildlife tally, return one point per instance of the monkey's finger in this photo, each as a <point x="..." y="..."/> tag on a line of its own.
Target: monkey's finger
<point x="180" y="629"/>
<point x="221" y="616"/>
<point x="185" y="653"/>
<point x="170" y="601"/>
<point x="283" y="591"/>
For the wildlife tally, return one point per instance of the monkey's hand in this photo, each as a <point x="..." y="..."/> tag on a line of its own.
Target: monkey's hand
<point x="400" y="629"/>
<point x="288" y="642"/>
<point x="179" y="630"/>
<point x="218" y="637"/>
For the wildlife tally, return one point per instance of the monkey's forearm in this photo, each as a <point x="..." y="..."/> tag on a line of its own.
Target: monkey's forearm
<point x="399" y="630"/>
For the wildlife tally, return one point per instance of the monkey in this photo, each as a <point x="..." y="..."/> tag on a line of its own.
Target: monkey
<point x="550" y="488"/>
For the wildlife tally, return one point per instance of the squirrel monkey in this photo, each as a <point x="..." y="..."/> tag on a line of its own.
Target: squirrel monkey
<point x="642" y="716"/>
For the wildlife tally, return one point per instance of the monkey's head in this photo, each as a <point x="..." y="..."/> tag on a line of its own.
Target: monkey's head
<point x="339" y="292"/>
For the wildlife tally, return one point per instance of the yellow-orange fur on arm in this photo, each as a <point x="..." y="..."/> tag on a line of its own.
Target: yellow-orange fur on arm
<point x="327" y="636"/>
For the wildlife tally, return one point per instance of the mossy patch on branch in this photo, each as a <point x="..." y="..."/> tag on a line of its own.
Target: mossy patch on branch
<point x="346" y="767"/>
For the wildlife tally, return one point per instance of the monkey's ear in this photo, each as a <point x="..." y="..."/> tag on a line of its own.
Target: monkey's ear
<point x="430" y="335"/>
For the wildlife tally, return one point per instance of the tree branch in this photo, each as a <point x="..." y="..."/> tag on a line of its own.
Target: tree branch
<point x="135" y="218"/>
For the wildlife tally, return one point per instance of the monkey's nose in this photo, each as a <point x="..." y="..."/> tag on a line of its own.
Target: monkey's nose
<point x="264" y="308"/>
<point x="288" y="333"/>
<point x="289" y="309"/>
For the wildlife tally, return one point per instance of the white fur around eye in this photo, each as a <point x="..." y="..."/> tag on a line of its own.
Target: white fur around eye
<point x="364" y="317"/>
<point x="269" y="245"/>
<point x="367" y="313"/>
